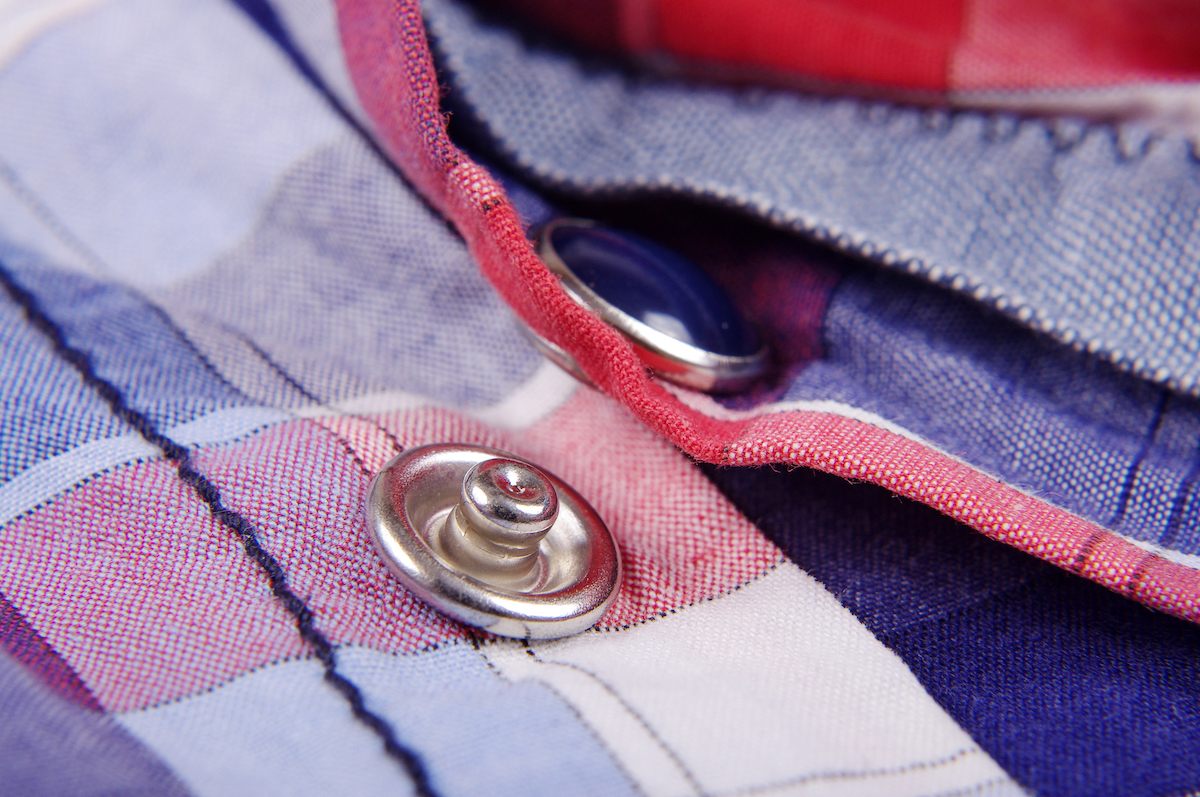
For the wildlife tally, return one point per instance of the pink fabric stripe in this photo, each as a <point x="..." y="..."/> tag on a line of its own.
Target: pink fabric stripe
<point x="25" y="645"/>
<point x="681" y="539"/>
<point x="303" y="492"/>
<point x="392" y="69"/>
<point x="139" y="590"/>
<point x="1030" y="44"/>
<point x="148" y="599"/>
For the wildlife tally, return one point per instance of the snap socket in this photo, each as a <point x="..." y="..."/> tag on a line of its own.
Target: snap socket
<point x="681" y="324"/>
<point x="493" y="541"/>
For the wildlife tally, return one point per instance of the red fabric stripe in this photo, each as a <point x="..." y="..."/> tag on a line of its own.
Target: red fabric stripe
<point x="959" y="45"/>
<point x="383" y="55"/>
<point x="1024" y="44"/>
<point x="877" y="42"/>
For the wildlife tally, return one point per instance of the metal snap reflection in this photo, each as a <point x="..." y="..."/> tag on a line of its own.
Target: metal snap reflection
<point x="680" y="322"/>
<point x="493" y="541"/>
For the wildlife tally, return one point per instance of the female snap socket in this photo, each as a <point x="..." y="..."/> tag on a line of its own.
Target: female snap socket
<point x="494" y="541"/>
<point x="681" y="324"/>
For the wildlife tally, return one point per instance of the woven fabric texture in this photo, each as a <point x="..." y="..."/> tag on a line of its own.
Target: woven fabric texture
<point x="244" y="262"/>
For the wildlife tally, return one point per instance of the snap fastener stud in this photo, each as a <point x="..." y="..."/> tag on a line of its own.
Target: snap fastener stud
<point x="493" y="541"/>
<point x="681" y="324"/>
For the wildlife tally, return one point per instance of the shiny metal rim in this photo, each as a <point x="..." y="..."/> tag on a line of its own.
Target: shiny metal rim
<point x="403" y="503"/>
<point x="671" y="358"/>
<point x="557" y="355"/>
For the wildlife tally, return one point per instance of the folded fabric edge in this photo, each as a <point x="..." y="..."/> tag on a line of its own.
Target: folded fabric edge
<point x="393" y="72"/>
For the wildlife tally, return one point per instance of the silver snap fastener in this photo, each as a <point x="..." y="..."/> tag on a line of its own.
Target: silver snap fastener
<point x="493" y="541"/>
<point x="681" y="324"/>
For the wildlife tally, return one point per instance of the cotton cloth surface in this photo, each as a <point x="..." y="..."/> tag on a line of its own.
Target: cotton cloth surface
<point x="949" y="545"/>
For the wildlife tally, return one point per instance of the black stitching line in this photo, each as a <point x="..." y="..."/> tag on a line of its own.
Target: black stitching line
<point x="1086" y="551"/>
<point x="479" y="643"/>
<point x="1180" y="503"/>
<point x="937" y="763"/>
<point x="65" y="236"/>
<point x="55" y="225"/>
<point x="688" y="775"/>
<point x="295" y="384"/>
<point x="844" y="775"/>
<point x="111" y="469"/>
<point x="613" y="629"/>
<point x="1127" y="489"/>
<point x="571" y="707"/>
<point x="60" y="230"/>
<point x="345" y="446"/>
<point x="976" y="789"/>
<point x="241" y="528"/>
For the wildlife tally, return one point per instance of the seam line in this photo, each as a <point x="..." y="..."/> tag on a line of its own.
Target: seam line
<point x="687" y="773"/>
<point x="230" y="519"/>
<point x="1118" y="518"/>
<point x="476" y="642"/>
<point x="1179" y="505"/>
<point x="309" y="396"/>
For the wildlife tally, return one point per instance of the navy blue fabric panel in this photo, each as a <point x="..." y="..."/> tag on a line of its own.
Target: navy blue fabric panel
<point x="51" y="748"/>
<point x="1100" y="443"/>
<point x="47" y="409"/>
<point x="131" y="343"/>
<point x="1073" y="689"/>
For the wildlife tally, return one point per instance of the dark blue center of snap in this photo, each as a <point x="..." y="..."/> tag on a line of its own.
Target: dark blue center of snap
<point x="657" y="287"/>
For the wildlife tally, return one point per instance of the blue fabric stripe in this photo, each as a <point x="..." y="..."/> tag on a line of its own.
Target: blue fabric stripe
<point x="482" y="734"/>
<point x="131" y="343"/>
<point x="47" y="407"/>
<point x="352" y="285"/>
<point x="122" y="402"/>
<point x="1073" y="689"/>
<point x="1100" y="443"/>
<point x="51" y="748"/>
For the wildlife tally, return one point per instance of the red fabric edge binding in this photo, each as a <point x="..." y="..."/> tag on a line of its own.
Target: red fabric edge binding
<point x="392" y="68"/>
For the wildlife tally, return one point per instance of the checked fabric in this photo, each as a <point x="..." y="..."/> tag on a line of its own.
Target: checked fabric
<point x="951" y="546"/>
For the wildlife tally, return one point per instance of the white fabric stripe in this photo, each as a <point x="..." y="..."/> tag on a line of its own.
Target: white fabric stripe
<point x="536" y="398"/>
<point x="50" y="477"/>
<point x="280" y="731"/>
<point x="773" y="689"/>
<point x="649" y="760"/>
<point x="708" y="406"/>
<point x="23" y="21"/>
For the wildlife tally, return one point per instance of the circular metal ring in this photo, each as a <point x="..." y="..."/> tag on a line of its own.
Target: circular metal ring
<point x="560" y="585"/>
<point x="669" y="356"/>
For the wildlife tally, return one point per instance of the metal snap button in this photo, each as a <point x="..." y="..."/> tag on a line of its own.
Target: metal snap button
<point x="490" y="539"/>
<point x="680" y="322"/>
